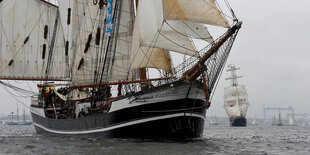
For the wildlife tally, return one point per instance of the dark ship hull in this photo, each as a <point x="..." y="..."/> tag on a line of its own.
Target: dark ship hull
<point x="160" y="118"/>
<point x="238" y="121"/>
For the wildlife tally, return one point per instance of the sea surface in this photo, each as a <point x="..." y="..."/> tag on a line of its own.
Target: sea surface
<point x="217" y="140"/>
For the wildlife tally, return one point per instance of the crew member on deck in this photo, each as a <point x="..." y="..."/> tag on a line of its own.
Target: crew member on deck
<point x="82" y="113"/>
<point x="119" y="89"/>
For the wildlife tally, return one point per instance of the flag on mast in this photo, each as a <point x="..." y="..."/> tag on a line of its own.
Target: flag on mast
<point x="109" y="22"/>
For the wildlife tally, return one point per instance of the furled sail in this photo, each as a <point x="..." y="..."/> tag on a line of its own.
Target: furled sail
<point x="26" y="31"/>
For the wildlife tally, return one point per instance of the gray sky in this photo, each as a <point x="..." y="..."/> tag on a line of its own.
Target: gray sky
<point x="272" y="50"/>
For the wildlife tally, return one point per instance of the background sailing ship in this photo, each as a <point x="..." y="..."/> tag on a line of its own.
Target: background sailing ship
<point x="93" y="46"/>
<point x="236" y="99"/>
<point x="17" y="121"/>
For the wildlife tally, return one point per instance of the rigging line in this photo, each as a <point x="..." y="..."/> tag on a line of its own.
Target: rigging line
<point x="193" y="107"/>
<point x="198" y="33"/>
<point x="14" y="55"/>
<point x="148" y="50"/>
<point x="97" y="47"/>
<point x="26" y="35"/>
<point x="80" y="22"/>
<point x="230" y="9"/>
<point x="176" y="43"/>
<point x="9" y="86"/>
<point x="185" y="34"/>
<point x="149" y="60"/>
<point x="218" y="79"/>
<point x="93" y="20"/>
<point x="93" y="23"/>
<point x="154" y="38"/>
<point x="110" y="41"/>
<point x="145" y="55"/>
<point x="221" y="10"/>
<point x="116" y="41"/>
<point x="175" y="29"/>
<point x="18" y="90"/>
<point x="15" y="97"/>
<point x="217" y="9"/>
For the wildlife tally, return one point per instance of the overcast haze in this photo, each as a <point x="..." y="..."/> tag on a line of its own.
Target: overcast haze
<point x="272" y="50"/>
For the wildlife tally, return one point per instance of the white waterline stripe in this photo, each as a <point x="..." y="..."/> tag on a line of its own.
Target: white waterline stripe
<point x="195" y="115"/>
<point x="120" y="125"/>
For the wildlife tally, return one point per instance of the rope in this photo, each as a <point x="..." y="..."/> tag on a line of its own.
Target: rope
<point x="225" y="15"/>
<point x="188" y="122"/>
<point x="15" y="97"/>
<point x="230" y="9"/>
<point x="17" y="89"/>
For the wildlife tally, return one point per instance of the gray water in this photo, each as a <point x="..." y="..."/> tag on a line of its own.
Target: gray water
<point x="217" y="140"/>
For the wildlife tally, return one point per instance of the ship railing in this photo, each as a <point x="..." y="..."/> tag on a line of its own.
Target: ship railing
<point x="214" y="64"/>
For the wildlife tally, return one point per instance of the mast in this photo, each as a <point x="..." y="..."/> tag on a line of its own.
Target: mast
<point x="142" y="71"/>
<point x="24" y="115"/>
<point x="107" y="58"/>
<point x="17" y="112"/>
<point x="50" y="54"/>
<point x="233" y="78"/>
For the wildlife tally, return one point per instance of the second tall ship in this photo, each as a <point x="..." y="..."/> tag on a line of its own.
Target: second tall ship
<point x="236" y="99"/>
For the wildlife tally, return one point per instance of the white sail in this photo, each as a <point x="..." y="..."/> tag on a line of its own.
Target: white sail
<point x="86" y="18"/>
<point x="27" y="26"/>
<point x="254" y="121"/>
<point x="158" y="30"/>
<point x="235" y="97"/>
<point x="120" y="63"/>
<point x="235" y="91"/>
<point x="65" y="11"/>
<point x="236" y="101"/>
<point x="291" y="120"/>
<point x="188" y="28"/>
<point x="202" y="11"/>
<point x="153" y="58"/>
<point x="147" y="57"/>
<point x="152" y="32"/>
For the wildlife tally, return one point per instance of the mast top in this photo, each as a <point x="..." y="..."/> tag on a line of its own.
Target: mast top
<point x="233" y="78"/>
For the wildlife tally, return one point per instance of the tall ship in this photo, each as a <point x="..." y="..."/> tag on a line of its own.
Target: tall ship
<point x="236" y="99"/>
<point x="106" y="68"/>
